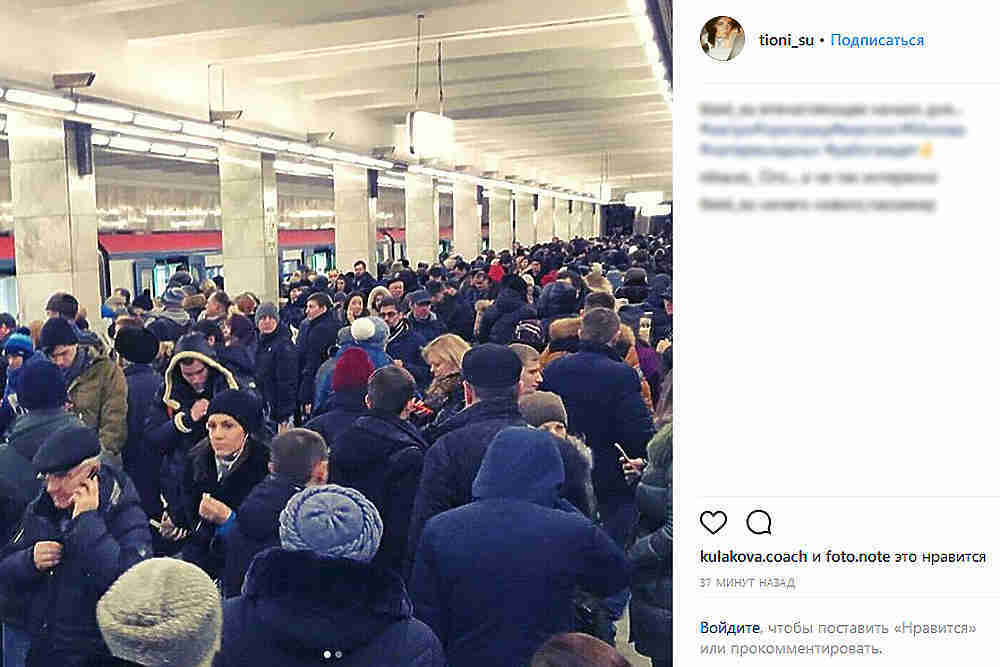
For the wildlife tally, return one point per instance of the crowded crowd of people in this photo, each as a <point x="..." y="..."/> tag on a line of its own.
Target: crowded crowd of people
<point x="467" y="463"/>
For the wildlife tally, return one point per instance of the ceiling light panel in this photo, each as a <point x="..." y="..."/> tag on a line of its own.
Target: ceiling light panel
<point x="29" y="98"/>
<point x="130" y="144"/>
<point x="202" y="130"/>
<point x="157" y="122"/>
<point x="105" y="111"/>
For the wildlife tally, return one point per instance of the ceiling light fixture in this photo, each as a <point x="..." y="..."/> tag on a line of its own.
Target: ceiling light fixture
<point x="239" y="137"/>
<point x="105" y="111"/>
<point x="100" y="139"/>
<point x="202" y="130"/>
<point x="224" y="115"/>
<point x="299" y="148"/>
<point x="202" y="154"/>
<point x="168" y="149"/>
<point x="130" y="144"/>
<point x="157" y="122"/>
<point x="29" y="98"/>
<point x="272" y="144"/>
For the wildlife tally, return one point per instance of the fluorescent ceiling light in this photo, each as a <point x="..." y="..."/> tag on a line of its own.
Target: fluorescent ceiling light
<point x="202" y="154"/>
<point x="100" y="139"/>
<point x="130" y="144"/>
<point x="38" y="100"/>
<point x="105" y="111"/>
<point x="168" y="149"/>
<point x="272" y="144"/>
<point x="299" y="148"/>
<point x="391" y="183"/>
<point x="202" y="130"/>
<point x="239" y="137"/>
<point x="157" y="122"/>
<point x="328" y="153"/>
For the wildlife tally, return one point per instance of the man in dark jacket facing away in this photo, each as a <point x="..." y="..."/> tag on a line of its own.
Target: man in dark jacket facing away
<point x="511" y="306"/>
<point x="603" y="399"/>
<point x="318" y="599"/>
<point x="299" y="459"/>
<point x="495" y="578"/>
<point x="75" y="540"/>
<point x="381" y="456"/>
<point x="492" y="378"/>
<point x="317" y="337"/>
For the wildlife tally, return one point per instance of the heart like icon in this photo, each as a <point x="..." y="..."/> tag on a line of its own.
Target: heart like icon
<point x="713" y="521"/>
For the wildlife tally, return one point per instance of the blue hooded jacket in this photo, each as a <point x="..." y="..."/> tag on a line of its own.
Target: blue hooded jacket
<point x="495" y="578"/>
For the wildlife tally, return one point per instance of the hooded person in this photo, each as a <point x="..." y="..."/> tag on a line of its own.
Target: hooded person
<point x="162" y="612"/>
<point x="510" y="308"/>
<point x="219" y="473"/>
<point x="87" y="526"/>
<point x="139" y="347"/>
<point x="176" y="420"/>
<point x="318" y="597"/>
<point x="558" y="301"/>
<point x="492" y="381"/>
<point x="95" y="385"/>
<point x="564" y="338"/>
<point x="381" y="455"/>
<point x="172" y="321"/>
<point x="349" y="384"/>
<point x="490" y="600"/>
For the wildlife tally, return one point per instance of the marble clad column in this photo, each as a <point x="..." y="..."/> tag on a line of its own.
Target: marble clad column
<point x="587" y="220"/>
<point x="524" y="219"/>
<point x="249" y="194"/>
<point x="467" y="232"/>
<point x="600" y="221"/>
<point x="422" y="220"/>
<point x="501" y="225"/>
<point x="576" y="220"/>
<point x="544" y="220"/>
<point x="641" y="225"/>
<point x="354" y="218"/>
<point x="561" y="219"/>
<point x="55" y="216"/>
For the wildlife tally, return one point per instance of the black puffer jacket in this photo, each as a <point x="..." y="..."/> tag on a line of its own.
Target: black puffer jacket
<point x="381" y="456"/>
<point x="277" y="372"/>
<point x="300" y="609"/>
<point x="500" y="319"/>
<point x="317" y="341"/>
<point x="140" y="460"/>
<point x="652" y="585"/>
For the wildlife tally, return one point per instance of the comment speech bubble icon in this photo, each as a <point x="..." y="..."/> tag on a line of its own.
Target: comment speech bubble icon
<point x="759" y="522"/>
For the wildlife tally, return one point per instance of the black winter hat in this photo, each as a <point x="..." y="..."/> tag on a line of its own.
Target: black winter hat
<point x="242" y="406"/>
<point x="491" y="366"/>
<point x="66" y="449"/>
<point x="57" y="331"/>
<point x="42" y="386"/>
<point x="140" y="346"/>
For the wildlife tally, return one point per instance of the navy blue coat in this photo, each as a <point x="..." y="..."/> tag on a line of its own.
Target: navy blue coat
<point x="604" y="404"/>
<point x="277" y="372"/>
<point x="140" y="459"/>
<point x="59" y="609"/>
<point x="345" y="408"/>
<point x="453" y="461"/>
<point x="300" y="609"/>
<point x="255" y="529"/>
<point x="495" y="579"/>
<point x="406" y="346"/>
<point x="500" y="319"/>
<point x="428" y="329"/>
<point x="382" y="456"/>
<point x="316" y="342"/>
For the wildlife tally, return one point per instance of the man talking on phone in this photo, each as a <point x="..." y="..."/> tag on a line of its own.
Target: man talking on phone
<point x="77" y="537"/>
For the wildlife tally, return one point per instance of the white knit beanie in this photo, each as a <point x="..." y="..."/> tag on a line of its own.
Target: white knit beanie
<point x="163" y="611"/>
<point x="362" y="329"/>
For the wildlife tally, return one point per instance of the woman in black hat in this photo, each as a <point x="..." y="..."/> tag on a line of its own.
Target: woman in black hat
<point x="220" y="472"/>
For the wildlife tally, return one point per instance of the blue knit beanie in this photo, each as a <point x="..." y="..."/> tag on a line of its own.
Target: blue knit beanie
<point x="19" y="344"/>
<point x="332" y="521"/>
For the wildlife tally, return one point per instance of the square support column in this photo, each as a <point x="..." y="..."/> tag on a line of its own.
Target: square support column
<point x="576" y="220"/>
<point x="422" y="220"/>
<point x="249" y="194"/>
<point x="55" y="216"/>
<point x="354" y="218"/>
<point x="586" y="220"/>
<point x="544" y="220"/>
<point x="467" y="232"/>
<point x="524" y="219"/>
<point x="501" y="225"/>
<point x="561" y="217"/>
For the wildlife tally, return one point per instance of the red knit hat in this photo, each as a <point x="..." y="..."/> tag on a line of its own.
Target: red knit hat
<point x="496" y="273"/>
<point x="352" y="370"/>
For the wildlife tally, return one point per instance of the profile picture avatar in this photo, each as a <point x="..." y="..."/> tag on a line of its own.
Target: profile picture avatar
<point x="722" y="38"/>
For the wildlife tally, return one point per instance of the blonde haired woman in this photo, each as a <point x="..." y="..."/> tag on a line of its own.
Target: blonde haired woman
<point x="446" y="395"/>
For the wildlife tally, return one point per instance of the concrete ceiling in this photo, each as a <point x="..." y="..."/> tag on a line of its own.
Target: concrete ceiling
<point x="551" y="92"/>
